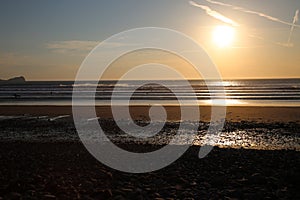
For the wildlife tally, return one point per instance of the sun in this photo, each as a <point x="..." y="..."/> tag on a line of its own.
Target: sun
<point x="223" y="36"/>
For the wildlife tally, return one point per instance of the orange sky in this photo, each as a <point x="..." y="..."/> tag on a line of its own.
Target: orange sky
<point x="49" y="41"/>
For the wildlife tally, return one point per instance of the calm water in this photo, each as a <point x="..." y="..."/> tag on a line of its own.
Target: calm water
<point x="267" y="92"/>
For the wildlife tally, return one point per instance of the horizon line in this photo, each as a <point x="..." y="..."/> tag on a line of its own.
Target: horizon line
<point x="191" y="79"/>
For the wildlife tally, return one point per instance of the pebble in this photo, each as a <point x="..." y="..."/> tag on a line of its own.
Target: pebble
<point x="49" y="196"/>
<point x="14" y="196"/>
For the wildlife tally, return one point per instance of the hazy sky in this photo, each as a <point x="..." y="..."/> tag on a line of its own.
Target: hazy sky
<point x="47" y="40"/>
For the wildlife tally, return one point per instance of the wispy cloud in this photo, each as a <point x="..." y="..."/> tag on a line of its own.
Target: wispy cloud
<point x="71" y="46"/>
<point x="249" y="47"/>
<point x="81" y="47"/>
<point x="215" y="14"/>
<point x="289" y="44"/>
<point x="263" y="15"/>
<point x="252" y="12"/>
<point x="271" y="41"/>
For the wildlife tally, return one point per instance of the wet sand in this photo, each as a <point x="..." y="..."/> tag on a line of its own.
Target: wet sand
<point x="65" y="170"/>
<point x="233" y="113"/>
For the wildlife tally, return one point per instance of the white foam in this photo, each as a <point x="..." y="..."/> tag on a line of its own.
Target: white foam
<point x="58" y="117"/>
<point x="11" y="117"/>
<point x="92" y="119"/>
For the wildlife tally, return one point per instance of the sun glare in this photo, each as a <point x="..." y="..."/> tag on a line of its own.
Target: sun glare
<point x="223" y="36"/>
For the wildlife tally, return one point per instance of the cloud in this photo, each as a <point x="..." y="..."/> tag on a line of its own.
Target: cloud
<point x="273" y="42"/>
<point x="215" y="14"/>
<point x="248" y="47"/>
<point x="81" y="47"/>
<point x="268" y="17"/>
<point x="285" y="44"/>
<point x="252" y="12"/>
<point x="71" y="46"/>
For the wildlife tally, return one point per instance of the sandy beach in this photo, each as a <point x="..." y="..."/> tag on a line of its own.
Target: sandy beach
<point x="158" y="100"/>
<point x="52" y="165"/>
<point x="233" y="113"/>
<point x="257" y="156"/>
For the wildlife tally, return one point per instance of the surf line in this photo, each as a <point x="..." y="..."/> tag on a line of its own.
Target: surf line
<point x="92" y="119"/>
<point x="58" y="117"/>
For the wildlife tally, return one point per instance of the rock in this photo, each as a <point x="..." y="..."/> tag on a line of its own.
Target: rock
<point x="14" y="196"/>
<point x="157" y="195"/>
<point x="119" y="197"/>
<point x="127" y="190"/>
<point x="186" y="195"/>
<point x="257" y="178"/>
<point x="206" y="184"/>
<point x="102" y="194"/>
<point x="193" y="183"/>
<point x="218" y="181"/>
<point x="105" y="174"/>
<point x="15" y="80"/>
<point x="228" y="198"/>
<point x="254" y="195"/>
<point x="234" y="193"/>
<point x="49" y="196"/>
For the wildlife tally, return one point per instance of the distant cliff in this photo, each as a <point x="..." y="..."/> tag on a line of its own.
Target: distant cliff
<point x="15" y="80"/>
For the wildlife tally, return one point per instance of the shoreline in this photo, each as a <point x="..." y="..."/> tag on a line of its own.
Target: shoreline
<point x="233" y="113"/>
<point x="62" y="169"/>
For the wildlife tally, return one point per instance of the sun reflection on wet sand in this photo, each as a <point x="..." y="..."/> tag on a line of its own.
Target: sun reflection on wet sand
<point x="223" y="102"/>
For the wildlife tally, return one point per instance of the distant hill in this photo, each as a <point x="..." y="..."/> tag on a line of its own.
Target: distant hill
<point x="15" y="80"/>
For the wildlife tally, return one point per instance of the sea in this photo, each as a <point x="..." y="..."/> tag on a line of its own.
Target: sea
<point x="255" y="92"/>
<point x="251" y="135"/>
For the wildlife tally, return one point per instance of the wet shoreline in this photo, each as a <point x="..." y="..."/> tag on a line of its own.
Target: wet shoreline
<point x="245" y="134"/>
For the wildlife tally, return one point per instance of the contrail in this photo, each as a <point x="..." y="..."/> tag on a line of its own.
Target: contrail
<point x="252" y="12"/>
<point x="293" y="25"/>
<point x="214" y="14"/>
<point x="271" y="41"/>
